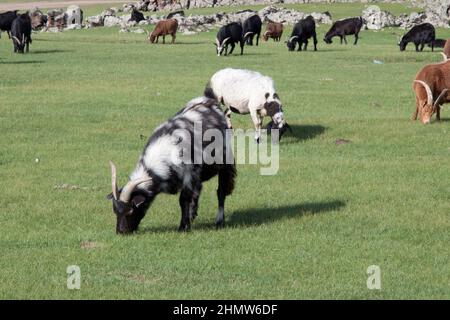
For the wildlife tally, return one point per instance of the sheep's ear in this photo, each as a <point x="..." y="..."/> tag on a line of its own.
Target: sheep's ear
<point x="267" y="95"/>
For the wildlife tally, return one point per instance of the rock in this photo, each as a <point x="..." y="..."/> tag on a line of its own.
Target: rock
<point x="73" y="27"/>
<point x="139" y="31"/>
<point x="95" y="21"/>
<point x="112" y="21"/>
<point x="376" y="19"/>
<point x="74" y="15"/>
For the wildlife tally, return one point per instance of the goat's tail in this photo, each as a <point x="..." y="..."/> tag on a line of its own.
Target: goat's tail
<point x="227" y="178"/>
<point x="209" y="93"/>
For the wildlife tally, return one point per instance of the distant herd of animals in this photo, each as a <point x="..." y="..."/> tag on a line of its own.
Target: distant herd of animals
<point x="241" y="92"/>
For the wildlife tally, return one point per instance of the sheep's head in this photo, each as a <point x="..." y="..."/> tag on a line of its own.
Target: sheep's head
<point x="221" y="46"/>
<point x="129" y="204"/>
<point x="291" y="43"/>
<point x="428" y="106"/>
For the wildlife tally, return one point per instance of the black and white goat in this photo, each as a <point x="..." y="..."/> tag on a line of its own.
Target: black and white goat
<point x="244" y="91"/>
<point x="162" y="167"/>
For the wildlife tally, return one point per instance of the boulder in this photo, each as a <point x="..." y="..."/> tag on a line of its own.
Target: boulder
<point x="74" y="15"/>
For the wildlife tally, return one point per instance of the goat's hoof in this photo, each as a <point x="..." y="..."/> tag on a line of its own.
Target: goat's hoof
<point x="184" y="228"/>
<point x="220" y="225"/>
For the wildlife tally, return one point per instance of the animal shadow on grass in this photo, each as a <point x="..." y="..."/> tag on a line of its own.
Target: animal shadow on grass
<point x="21" y="62"/>
<point x="49" y="51"/>
<point x="258" y="216"/>
<point x="303" y="132"/>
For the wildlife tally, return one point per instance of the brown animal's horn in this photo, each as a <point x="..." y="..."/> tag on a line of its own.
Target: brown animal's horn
<point x="115" y="191"/>
<point x="445" y="56"/>
<point x="428" y="90"/>
<point x="129" y="188"/>
<point x="266" y="33"/>
<point x="225" y="40"/>
<point x="441" y="96"/>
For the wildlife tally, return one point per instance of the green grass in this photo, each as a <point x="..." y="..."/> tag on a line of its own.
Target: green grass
<point x="81" y="98"/>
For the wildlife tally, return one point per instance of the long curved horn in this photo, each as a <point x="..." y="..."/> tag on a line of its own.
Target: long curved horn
<point x="441" y="96"/>
<point x="129" y="188"/>
<point x="428" y="90"/>
<point x="217" y="42"/>
<point x="292" y="38"/>
<point x="247" y="34"/>
<point x="115" y="190"/>
<point x="445" y="56"/>
<point x="23" y="39"/>
<point x="225" y="40"/>
<point x="15" y="38"/>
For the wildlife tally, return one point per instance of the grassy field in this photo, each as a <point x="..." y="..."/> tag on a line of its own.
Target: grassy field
<point x="81" y="98"/>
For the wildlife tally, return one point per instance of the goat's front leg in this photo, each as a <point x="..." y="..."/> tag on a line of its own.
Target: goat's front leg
<point x="416" y="112"/>
<point x="257" y="121"/>
<point x="185" y="205"/>
<point x="438" y="113"/>
<point x="193" y="207"/>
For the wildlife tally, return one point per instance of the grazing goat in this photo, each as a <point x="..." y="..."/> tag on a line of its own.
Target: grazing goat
<point x="163" y="28"/>
<point x="420" y="35"/>
<point x="165" y="166"/>
<point x="245" y="91"/>
<point x="303" y="30"/>
<point x="274" y="30"/>
<point x="136" y="15"/>
<point x="431" y="81"/>
<point x="6" y="20"/>
<point x="229" y="35"/>
<point x="252" y="28"/>
<point x="21" y="33"/>
<point x="344" y="28"/>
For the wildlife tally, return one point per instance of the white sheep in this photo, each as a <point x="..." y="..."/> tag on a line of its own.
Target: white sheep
<point x="245" y="91"/>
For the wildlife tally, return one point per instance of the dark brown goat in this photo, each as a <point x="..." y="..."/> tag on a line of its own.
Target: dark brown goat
<point x="431" y="81"/>
<point x="274" y="30"/>
<point x="164" y="28"/>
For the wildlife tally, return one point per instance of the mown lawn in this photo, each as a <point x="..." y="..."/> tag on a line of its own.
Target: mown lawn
<point x="81" y="98"/>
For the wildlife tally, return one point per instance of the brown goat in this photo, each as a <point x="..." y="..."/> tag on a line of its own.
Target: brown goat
<point x="446" y="52"/>
<point x="431" y="81"/>
<point x="164" y="28"/>
<point x="274" y="30"/>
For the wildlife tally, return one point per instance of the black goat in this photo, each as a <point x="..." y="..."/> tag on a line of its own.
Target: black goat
<point x="229" y="35"/>
<point x="303" y="30"/>
<point x="21" y="33"/>
<point x="252" y="27"/>
<point x="344" y="28"/>
<point x="6" y="20"/>
<point x="420" y="35"/>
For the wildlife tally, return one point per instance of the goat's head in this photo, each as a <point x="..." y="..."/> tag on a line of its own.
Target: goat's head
<point x="221" y="46"/>
<point x="328" y="37"/>
<point x="428" y="106"/>
<point x="402" y="43"/>
<point x="19" y="43"/>
<point x="129" y="204"/>
<point x="266" y="35"/>
<point x="291" y="43"/>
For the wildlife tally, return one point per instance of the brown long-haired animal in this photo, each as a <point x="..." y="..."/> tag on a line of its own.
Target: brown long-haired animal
<point x="164" y="28"/>
<point x="446" y="52"/>
<point x="274" y="30"/>
<point x="431" y="85"/>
